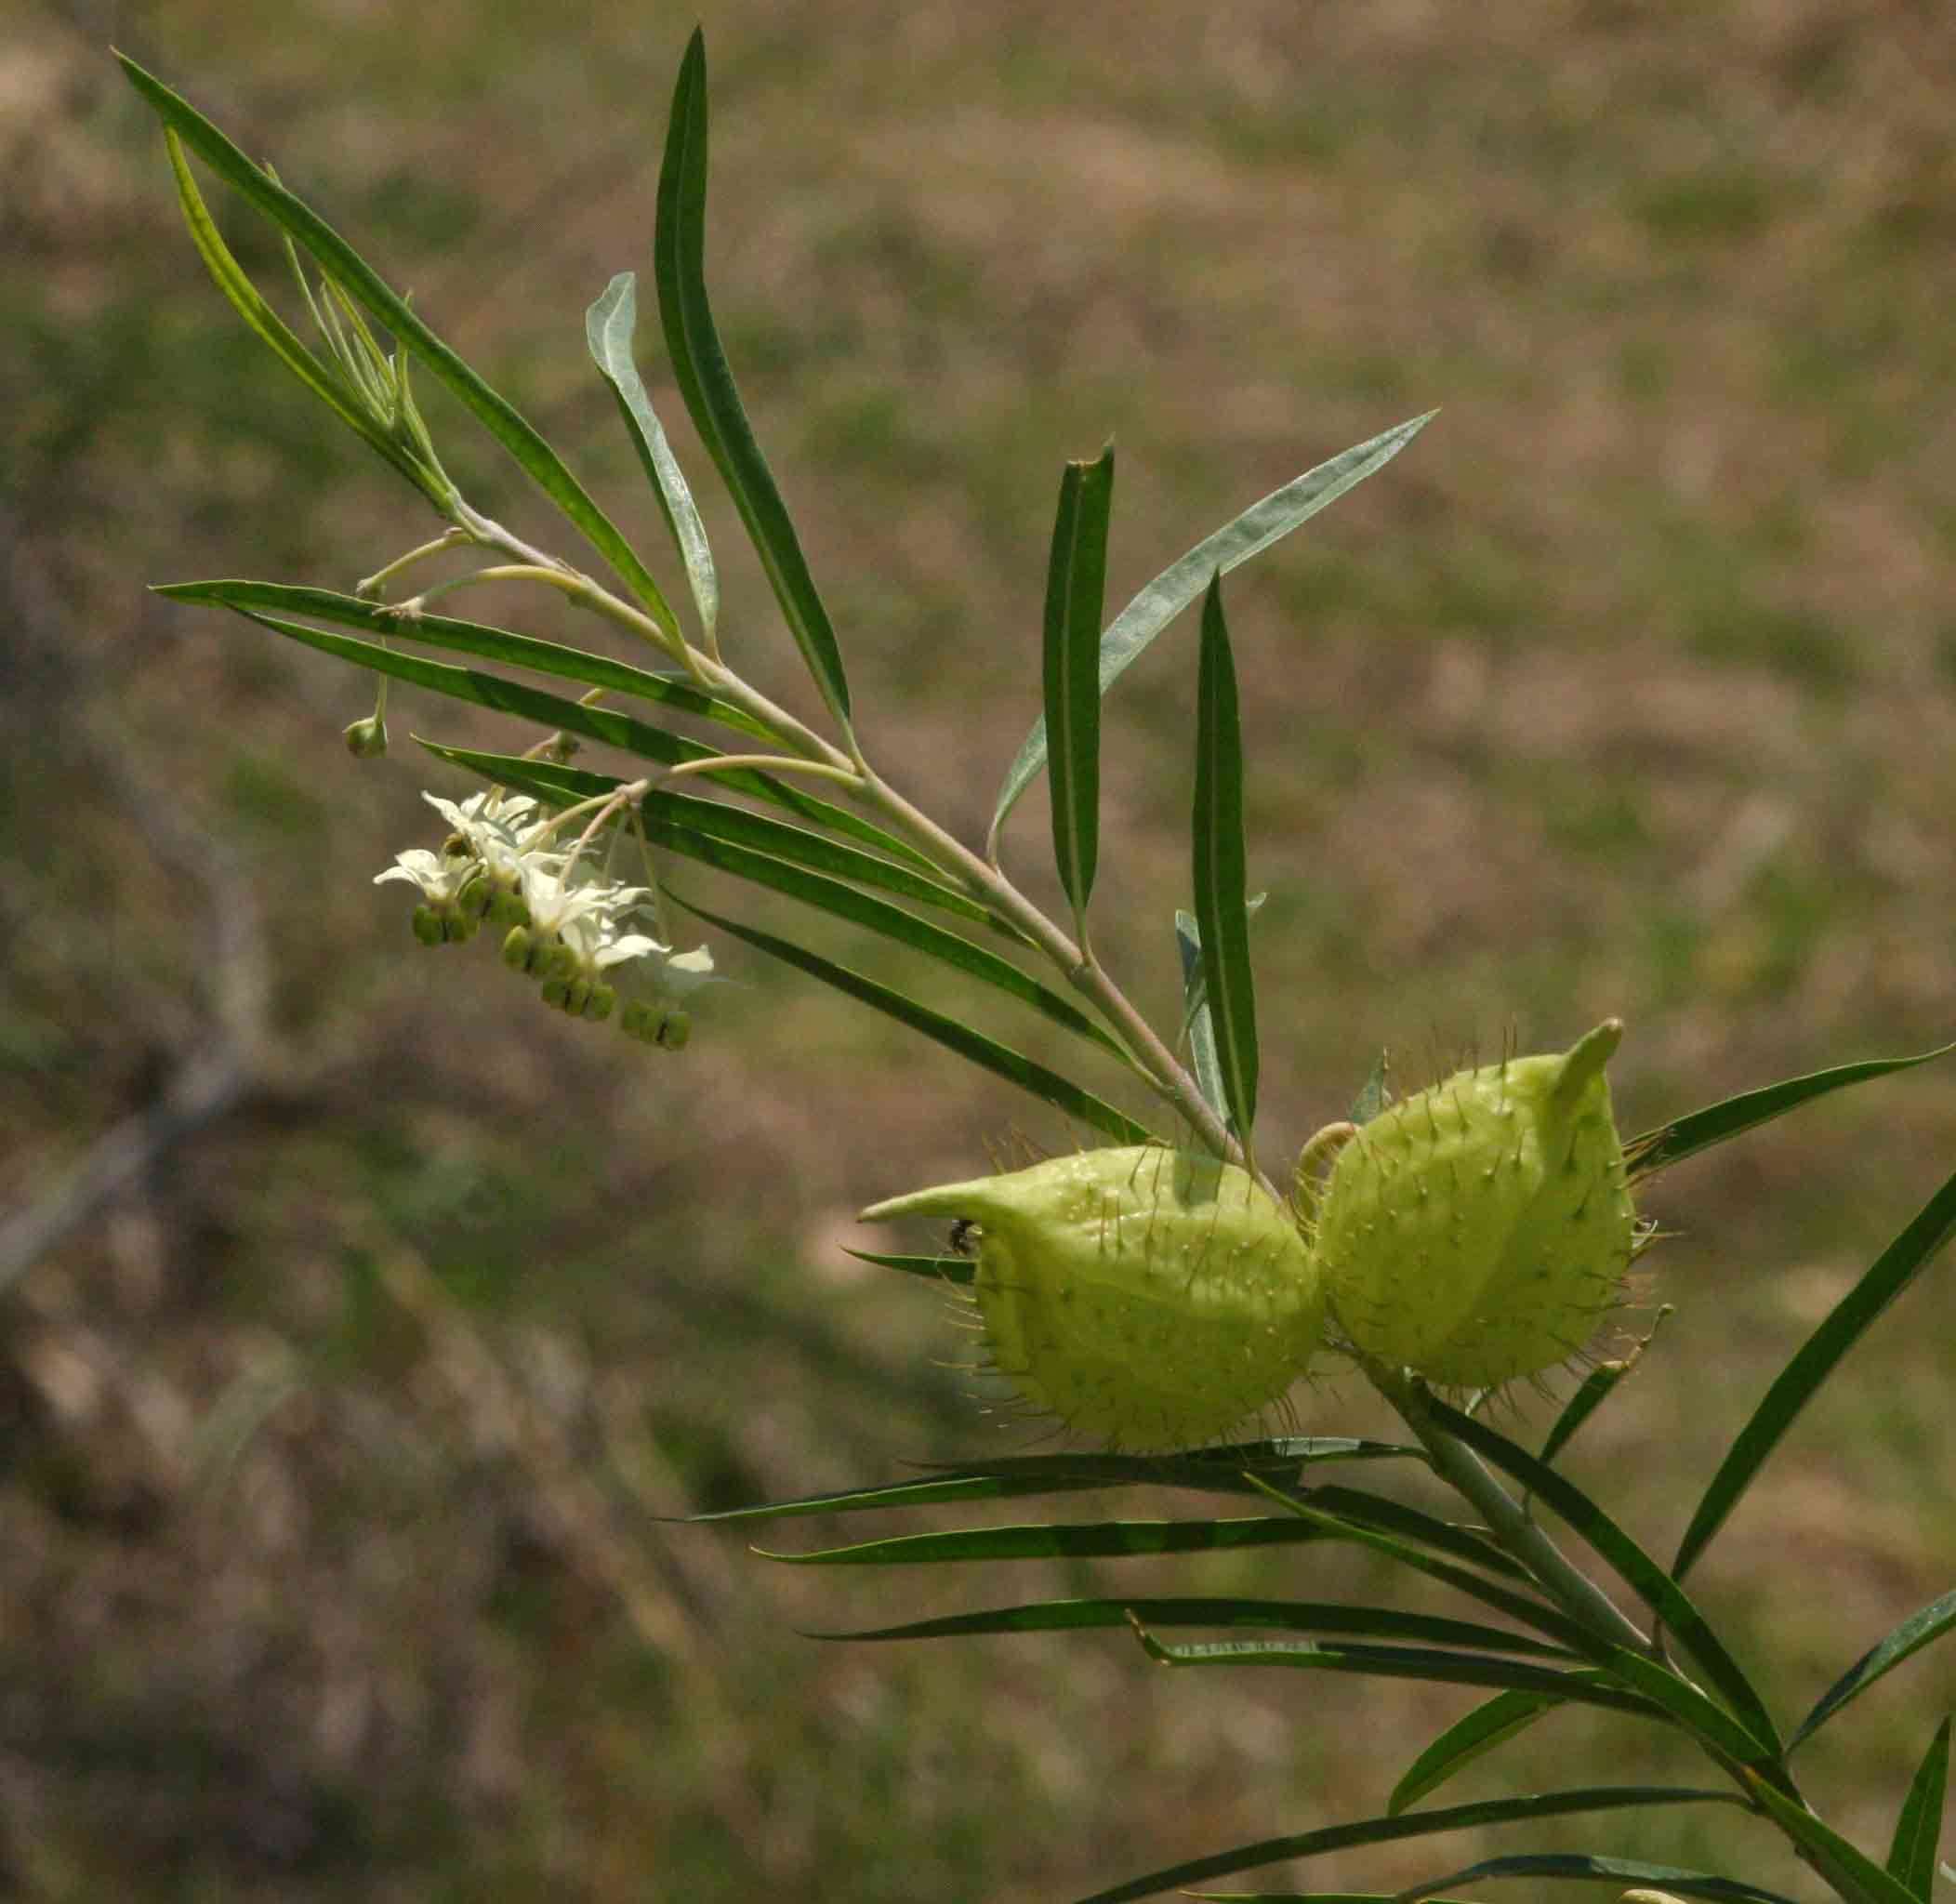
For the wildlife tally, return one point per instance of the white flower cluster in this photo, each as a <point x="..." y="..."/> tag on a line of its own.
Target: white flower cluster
<point x="569" y="925"/>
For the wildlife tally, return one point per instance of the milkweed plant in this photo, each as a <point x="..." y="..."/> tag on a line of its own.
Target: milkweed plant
<point x="1156" y="1296"/>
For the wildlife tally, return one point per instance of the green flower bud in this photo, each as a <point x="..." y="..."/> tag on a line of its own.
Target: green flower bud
<point x="578" y="994"/>
<point x="365" y="739"/>
<point x="516" y="948"/>
<point x="556" y="993"/>
<point x="638" y="1020"/>
<point x="1480" y="1230"/>
<point x="506" y="907"/>
<point x="674" y="1031"/>
<point x="597" y="1006"/>
<point x="1150" y="1297"/>
<point x="427" y="923"/>
<point x="458" y="927"/>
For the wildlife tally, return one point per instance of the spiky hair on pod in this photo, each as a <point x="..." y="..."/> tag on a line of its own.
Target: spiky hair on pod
<point x="1148" y="1297"/>
<point x="1478" y="1230"/>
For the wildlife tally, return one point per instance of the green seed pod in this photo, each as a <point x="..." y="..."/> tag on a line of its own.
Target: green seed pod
<point x="1480" y="1230"/>
<point x="1150" y="1297"/>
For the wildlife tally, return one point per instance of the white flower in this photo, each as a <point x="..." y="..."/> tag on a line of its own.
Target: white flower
<point x="686" y="970"/>
<point x="440" y="875"/>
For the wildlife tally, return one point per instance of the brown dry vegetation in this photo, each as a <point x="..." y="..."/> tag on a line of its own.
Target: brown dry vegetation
<point x="333" y="1446"/>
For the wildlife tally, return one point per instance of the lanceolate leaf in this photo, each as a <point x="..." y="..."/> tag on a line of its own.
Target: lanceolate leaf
<point x="1215" y="1471"/>
<point x="987" y="1053"/>
<point x="706" y="383"/>
<point x="470" y="638"/>
<point x="347" y="268"/>
<point x="942" y="1269"/>
<point x="1844" y="1865"/>
<point x="1911" y="1853"/>
<point x="1292" y="1616"/>
<point x="573" y="716"/>
<point x="1434" y="1664"/>
<point x="1656" y="1150"/>
<point x="1151" y="611"/>
<point x="1076" y="589"/>
<point x="1489" y="1725"/>
<point x="1596" y="1390"/>
<point x="1664" y="1594"/>
<point x="556" y="784"/>
<point x="863" y="909"/>
<point x="1516" y="1605"/>
<point x="1584" y="1867"/>
<point x="290" y="349"/>
<point x="1194" y="1010"/>
<point x="608" y="327"/>
<point x="1049" y="1540"/>
<point x="1892" y="1271"/>
<point x="1222" y="912"/>
<point x="1918" y="1630"/>
<point x="1455" y="1817"/>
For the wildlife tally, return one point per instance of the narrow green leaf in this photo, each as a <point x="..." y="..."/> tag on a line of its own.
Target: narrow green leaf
<point x="1849" y="1869"/>
<point x="608" y="327"/>
<point x="1386" y="1516"/>
<point x="1892" y="1272"/>
<point x="1658" y="1149"/>
<point x="987" y="1053"/>
<point x="470" y="638"/>
<point x="942" y="1269"/>
<point x="1660" y="1593"/>
<point x="1076" y="597"/>
<point x="1178" y="585"/>
<point x="558" y="784"/>
<point x="1217" y="1471"/>
<point x="1489" y="1725"/>
<point x="1596" y="1389"/>
<point x="1220" y="888"/>
<point x="877" y="916"/>
<point x="573" y="716"/>
<point x="345" y="265"/>
<point x="1293" y="1616"/>
<point x="706" y="383"/>
<point x="1049" y="1540"/>
<point x="1586" y="1867"/>
<point x="1195" y="1015"/>
<point x="1530" y="1612"/>
<point x="1920" y="1628"/>
<point x="231" y="278"/>
<point x="1435" y="1665"/>
<point x="1917" y="1829"/>
<point x="1454" y="1817"/>
<point x="1672" y="1694"/>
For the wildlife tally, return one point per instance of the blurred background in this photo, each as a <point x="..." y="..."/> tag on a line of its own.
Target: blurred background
<point x="362" y="1319"/>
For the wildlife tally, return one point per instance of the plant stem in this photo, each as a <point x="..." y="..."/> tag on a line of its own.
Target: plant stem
<point x="1507" y="1521"/>
<point x="1153" y="1060"/>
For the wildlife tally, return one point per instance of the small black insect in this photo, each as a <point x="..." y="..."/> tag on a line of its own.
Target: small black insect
<point x="965" y="1237"/>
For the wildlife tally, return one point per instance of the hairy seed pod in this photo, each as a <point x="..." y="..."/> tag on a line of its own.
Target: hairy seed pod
<point x="1149" y="1297"/>
<point x="1480" y="1230"/>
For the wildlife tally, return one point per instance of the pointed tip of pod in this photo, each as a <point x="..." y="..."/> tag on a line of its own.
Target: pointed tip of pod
<point x="976" y="1198"/>
<point x="1583" y="1062"/>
